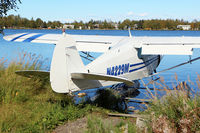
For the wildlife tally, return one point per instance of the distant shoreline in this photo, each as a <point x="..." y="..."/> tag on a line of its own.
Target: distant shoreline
<point x="95" y="29"/>
<point x="17" y="22"/>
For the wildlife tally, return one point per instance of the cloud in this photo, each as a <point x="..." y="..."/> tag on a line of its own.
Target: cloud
<point x="130" y="13"/>
<point x="143" y="14"/>
<point x="68" y="20"/>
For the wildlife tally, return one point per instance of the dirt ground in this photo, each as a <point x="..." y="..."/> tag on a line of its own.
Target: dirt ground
<point x="80" y="125"/>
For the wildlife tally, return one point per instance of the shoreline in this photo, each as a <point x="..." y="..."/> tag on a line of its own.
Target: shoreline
<point x="95" y="29"/>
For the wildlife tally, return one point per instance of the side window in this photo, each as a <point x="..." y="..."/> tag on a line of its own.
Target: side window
<point x="139" y="53"/>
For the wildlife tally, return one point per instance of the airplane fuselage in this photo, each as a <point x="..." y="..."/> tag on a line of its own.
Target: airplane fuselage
<point x="124" y="60"/>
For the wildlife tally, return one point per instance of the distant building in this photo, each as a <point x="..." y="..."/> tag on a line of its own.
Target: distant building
<point x="184" y="27"/>
<point x="135" y="26"/>
<point x="96" y="26"/>
<point x="115" y="25"/>
<point x="68" y="26"/>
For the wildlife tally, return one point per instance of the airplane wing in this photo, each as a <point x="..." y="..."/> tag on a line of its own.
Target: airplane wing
<point x="98" y="43"/>
<point x="167" y="45"/>
<point x="90" y="43"/>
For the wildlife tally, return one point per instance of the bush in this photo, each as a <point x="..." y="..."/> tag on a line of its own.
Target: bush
<point x="109" y="99"/>
<point x="175" y="112"/>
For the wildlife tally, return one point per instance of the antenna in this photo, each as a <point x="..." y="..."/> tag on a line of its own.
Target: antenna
<point x="63" y="32"/>
<point x="129" y="31"/>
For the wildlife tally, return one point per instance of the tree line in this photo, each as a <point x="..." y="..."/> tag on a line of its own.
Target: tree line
<point x="17" y="22"/>
<point x="12" y="21"/>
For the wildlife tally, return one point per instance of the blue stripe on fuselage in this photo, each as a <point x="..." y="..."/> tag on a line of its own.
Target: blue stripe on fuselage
<point x="19" y="37"/>
<point x="136" y="64"/>
<point x="148" y="63"/>
<point x="33" y="37"/>
<point x="131" y="65"/>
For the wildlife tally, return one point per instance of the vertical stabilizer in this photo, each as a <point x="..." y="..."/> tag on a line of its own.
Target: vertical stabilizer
<point x="66" y="60"/>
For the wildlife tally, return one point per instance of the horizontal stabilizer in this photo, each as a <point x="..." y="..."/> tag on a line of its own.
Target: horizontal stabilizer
<point x="33" y="73"/>
<point x="90" y="76"/>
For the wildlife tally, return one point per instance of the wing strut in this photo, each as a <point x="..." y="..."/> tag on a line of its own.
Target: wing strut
<point x="187" y="62"/>
<point x="87" y="56"/>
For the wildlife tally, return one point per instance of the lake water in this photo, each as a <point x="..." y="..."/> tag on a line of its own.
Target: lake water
<point x="11" y="50"/>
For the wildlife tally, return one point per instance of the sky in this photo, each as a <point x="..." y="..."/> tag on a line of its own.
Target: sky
<point x="114" y="10"/>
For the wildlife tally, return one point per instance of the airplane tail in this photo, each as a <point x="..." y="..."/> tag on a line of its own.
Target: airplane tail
<point x="66" y="60"/>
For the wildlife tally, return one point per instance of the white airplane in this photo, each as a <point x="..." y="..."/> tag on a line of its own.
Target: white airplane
<point x="124" y="59"/>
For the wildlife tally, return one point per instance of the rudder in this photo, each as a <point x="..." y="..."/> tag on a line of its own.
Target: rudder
<point x="66" y="60"/>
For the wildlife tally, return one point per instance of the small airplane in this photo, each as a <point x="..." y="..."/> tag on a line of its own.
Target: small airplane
<point x="125" y="59"/>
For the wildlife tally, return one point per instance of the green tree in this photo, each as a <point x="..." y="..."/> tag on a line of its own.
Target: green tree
<point x="140" y="24"/>
<point x="32" y="24"/>
<point x="39" y="23"/>
<point x="125" y="24"/>
<point x="6" y="5"/>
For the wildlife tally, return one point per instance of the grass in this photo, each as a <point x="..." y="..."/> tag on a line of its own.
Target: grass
<point x="177" y="111"/>
<point x="29" y="104"/>
<point x="98" y="124"/>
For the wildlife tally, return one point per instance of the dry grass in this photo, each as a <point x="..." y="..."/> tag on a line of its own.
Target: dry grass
<point x="177" y="111"/>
